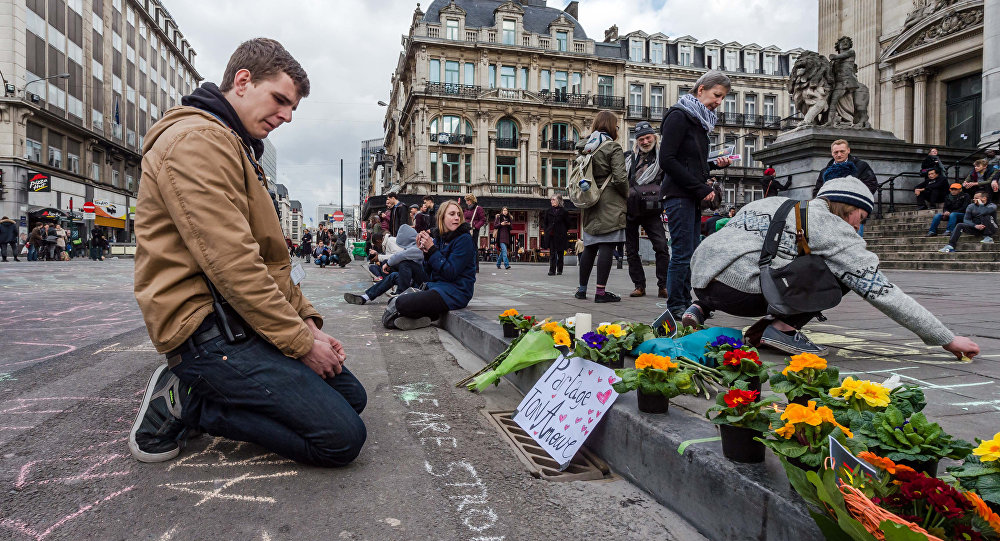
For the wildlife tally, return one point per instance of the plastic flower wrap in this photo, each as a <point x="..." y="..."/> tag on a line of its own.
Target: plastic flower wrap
<point x="805" y="375"/>
<point x="532" y="348"/>
<point x="803" y="434"/>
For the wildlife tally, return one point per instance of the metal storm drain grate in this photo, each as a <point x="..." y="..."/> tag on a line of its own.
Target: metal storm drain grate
<point x="585" y="466"/>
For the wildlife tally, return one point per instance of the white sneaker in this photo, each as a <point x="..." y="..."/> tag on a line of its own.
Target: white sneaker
<point x="947" y="249"/>
<point x="987" y="240"/>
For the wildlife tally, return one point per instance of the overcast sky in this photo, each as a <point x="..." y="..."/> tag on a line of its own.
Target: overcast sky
<point x="350" y="49"/>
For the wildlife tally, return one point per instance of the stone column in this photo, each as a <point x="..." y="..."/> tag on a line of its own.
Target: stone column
<point x="522" y="161"/>
<point x="920" y="106"/>
<point x="902" y="104"/>
<point x="492" y="167"/>
<point x="991" y="72"/>
<point x="533" y="146"/>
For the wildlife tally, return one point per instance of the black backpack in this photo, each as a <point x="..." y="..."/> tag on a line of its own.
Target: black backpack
<point x="804" y="286"/>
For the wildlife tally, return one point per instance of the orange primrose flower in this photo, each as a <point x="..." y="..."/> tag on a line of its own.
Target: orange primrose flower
<point x="800" y="362"/>
<point x="509" y="313"/>
<point x="984" y="511"/>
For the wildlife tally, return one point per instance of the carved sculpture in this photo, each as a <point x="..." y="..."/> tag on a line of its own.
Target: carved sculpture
<point x="826" y="91"/>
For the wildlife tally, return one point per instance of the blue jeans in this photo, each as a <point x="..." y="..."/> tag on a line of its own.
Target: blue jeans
<point x="252" y="392"/>
<point x="408" y="274"/>
<point x="685" y="234"/>
<point x="953" y="218"/>
<point x="32" y="253"/>
<point x="502" y="256"/>
<point x="322" y="260"/>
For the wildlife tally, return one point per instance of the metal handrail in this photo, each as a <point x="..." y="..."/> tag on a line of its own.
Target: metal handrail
<point x="967" y="156"/>
<point x="891" y="181"/>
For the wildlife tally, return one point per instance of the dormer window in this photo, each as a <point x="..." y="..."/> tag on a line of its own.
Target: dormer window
<point x="562" y="41"/>
<point x="732" y="63"/>
<point x="685" y="54"/>
<point x="712" y="59"/>
<point x="750" y="62"/>
<point x="509" y="28"/>
<point x="656" y="53"/>
<point x="451" y="29"/>
<point x="769" y="64"/>
<point x="635" y="52"/>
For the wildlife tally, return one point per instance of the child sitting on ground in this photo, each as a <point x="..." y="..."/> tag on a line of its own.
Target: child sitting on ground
<point x="980" y="219"/>
<point x="955" y="204"/>
<point x="403" y="269"/>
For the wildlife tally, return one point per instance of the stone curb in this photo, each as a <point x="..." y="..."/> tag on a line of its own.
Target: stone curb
<point x="721" y="498"/>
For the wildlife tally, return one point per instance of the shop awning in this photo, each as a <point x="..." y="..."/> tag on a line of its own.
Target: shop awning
<point x="49" y="214"/>
<point x="109" y="222"/>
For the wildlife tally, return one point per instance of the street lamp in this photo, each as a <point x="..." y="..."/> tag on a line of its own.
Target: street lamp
<point x="57" y="76"/>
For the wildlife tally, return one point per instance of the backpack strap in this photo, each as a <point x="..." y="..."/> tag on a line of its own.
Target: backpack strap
<point x="802" y="227"/>
<point x="773" y="236"/>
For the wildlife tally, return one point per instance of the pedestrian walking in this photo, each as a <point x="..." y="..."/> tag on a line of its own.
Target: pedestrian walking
<point x="8" y="238"/>
<point x="475" y="216"/>
<point x="603" y="223"/>
<point x="771" y="185"/>
<point x="556" y="224"/>
<point x="684" y="160"/>
<point x="501" y="235"/>
<point x="246" y="358"/>
<point x="644" y="209"/>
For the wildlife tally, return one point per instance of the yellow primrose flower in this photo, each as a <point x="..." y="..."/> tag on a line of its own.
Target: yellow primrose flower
<point x="612" y="329"/>
<point x="989" y="450"/>
<point x="551" y="326"/>
<point x="509" y="313"/>
<point x="800" y="362"/>
<point x="848" y="388"/>
<point x="875" y="395"/>
<point x="797" y="413"/>
<point x="561" y="337"/>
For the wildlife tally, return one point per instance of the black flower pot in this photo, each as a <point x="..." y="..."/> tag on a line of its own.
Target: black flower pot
<point x="509" y="330"/>
<point x="653" y="403"/>
<point x="738" y="444"/>
<point x="620" y="363"/>
<point x="802" y="400"/>
<point x="929" y="467"/>
<point x="753" y="384"/>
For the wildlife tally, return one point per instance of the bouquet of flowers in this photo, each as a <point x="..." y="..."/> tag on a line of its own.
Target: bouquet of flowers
<point x="533" y="347"/>
<point x="740" y="407"/>
<point x="806" y="376"/>
<point x="655" y="375"/>
<point x="803" y="434"/>
<point x="981" y="471"/>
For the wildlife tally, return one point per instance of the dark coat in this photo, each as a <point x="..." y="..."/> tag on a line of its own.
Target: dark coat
<point x="930" y="162"/>
<point x="398" y="215"/>
<point x="475" y="216"/>
<point x="556" y="223"/>
<point x="956" y="203"/>
<point x="451" y="266"/>
<point x="865" y="174"/>
<point x="940" y="184"/>
<point x="343" y="256"/>
<point x="683" y="156"/>
<point x="771" y="185"/>
<point x="8" y="231"/>
<point x="423" y="221"/>
<point x="502" y="225"/>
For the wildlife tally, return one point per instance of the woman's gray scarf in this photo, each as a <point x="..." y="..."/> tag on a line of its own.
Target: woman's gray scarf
<point x="698" y="110"/>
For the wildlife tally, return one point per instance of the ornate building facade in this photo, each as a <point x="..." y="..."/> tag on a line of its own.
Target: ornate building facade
<point x="924" y="63"/>
<point x="490" y="97"/>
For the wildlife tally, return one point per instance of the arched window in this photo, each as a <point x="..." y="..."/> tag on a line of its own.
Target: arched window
<point x="507" y="133"/>
<point x="447" y="130"/>
<point x="559" y="136"/>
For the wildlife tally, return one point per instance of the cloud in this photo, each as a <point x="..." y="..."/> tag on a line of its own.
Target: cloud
<point x="351" y="48"/>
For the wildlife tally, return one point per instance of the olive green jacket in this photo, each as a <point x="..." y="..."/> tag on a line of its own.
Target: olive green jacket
<point x="608" y="214"/>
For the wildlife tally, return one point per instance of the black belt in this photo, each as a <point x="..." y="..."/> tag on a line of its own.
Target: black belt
<point x="208" y="330"/>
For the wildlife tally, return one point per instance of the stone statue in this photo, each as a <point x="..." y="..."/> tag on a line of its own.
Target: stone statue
<point x="826" y="91"/>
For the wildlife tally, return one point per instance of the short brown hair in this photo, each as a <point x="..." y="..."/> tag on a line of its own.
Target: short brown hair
<point x="979" y="162"/>
<point x="606" y="122"/>
<point x="264" y="58"/>
<point x="444" y="210"/>
<point x="840" y="142"/>
<point x="840" y="209"/>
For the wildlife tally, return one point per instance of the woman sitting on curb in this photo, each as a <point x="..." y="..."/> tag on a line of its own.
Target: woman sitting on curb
<point x="726" y="273"/>
<point x="450" y="264"/>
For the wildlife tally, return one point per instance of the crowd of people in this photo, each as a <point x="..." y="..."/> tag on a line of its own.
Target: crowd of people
<point x="331" y="247"/>
<point x="969" y="206"/>
<point x="49" y="242"/>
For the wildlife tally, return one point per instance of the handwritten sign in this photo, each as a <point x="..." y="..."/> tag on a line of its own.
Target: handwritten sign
<point x="565" y="405"/>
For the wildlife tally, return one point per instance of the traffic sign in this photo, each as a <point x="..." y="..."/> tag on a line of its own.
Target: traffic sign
<point x="338" y="216"/>
<point x="88" y="210"/>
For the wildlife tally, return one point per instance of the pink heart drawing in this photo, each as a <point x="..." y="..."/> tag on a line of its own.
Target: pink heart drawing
<point x="566" y="427"/>
<point x="598" y="413"/>
<point x="590" y="412"/>
<point x="590" y="420"/>
<point x="562" y="417"/>
<point x="553" y="396"/>
<point x="599" y="380"/>
<point x="589" y="372"/>
<point x="612" y="379"/>
<point x="583" y="429"/>
<point x="536" y="432"/>
<point x="603" y="397"/>
<point x="578" y="419"/>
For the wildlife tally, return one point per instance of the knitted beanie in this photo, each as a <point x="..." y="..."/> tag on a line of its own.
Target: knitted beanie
<point x="848" y="190"/>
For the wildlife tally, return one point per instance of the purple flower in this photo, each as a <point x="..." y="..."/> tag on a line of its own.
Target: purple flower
<point x="594" y="340"/>
<point x="734" y="343"/>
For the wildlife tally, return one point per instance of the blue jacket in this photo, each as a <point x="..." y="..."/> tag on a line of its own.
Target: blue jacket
<point x="451" y="266"/>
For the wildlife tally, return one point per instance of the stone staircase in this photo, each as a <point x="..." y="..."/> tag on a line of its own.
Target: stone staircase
<point x="900" y="240"/>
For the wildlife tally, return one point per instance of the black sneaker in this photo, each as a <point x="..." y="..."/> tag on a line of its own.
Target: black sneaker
<point x="157" y="433"/>
<point x="932" y="233"/>
<point x="607" y="297"/>
<point x="581" y="295"/>
<point x="410" y="323"/>
<point x="792" y="344"/>
<point x="351" y="298"/>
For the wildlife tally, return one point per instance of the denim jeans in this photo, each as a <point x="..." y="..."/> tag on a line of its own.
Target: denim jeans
<point x="252" y="392"/>
<point x="685" y="234"/>
<point x="502" y="256"/>
<point x="953" y="218"/>
<point x="408" y="274"/>
<point x="322" y="260"/>
<point x="654" y="230"/>
<point x="32" y="253"/>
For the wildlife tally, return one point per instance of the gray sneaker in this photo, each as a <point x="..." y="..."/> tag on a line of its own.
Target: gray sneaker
<point x="351" y="298"/>
<point x="409" y="323"/>
<point x="947" y="249"/>
<point x="793" y="345"/>
<point x="158" y="433"/>
<point x="987" y="240"/>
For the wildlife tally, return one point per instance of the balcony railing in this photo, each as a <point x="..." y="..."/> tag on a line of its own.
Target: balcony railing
<point x="609" y="102"/>
<point x="453" y="89"/>
<point x="561" y="96"/>
<point x="451" y="139"/>
<point x="452" y="188"/>
<point x="637" y="112"/>
<point x="513" y="189"/>
<point x="507" y="142"/>
<point x="558" y="144"/>
<point x="656" y="112"/>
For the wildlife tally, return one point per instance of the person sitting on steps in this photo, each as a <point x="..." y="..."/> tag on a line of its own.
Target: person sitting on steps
<point x="980" y="219"/>
<point x="955" y="204"/>
<point x="402" y="270"/>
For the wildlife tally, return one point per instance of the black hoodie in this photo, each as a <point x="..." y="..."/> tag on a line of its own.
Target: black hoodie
<point x="209" y="98"/>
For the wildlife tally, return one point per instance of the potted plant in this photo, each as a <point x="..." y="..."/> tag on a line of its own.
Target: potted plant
<point x="596" y="347"/>
<point x="915" y="442"/>
<point x="742" y="364"/>
<point x="980" y="471"/>
<point x="805" y="377"/>
<point x="615" y="333"/>
<point x="802" y="436"/>
<point x="656" y="380"/>
<point x="514" y="323"/>
<point x="741" y="418"/>
<point x="635" y="334"/>
<point x="716" y="349"/>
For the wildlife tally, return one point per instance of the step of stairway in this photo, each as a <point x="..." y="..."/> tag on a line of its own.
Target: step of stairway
<point x="938" y="256"/>
<point x="955" y="266"/>
<point x="965" y="244"/>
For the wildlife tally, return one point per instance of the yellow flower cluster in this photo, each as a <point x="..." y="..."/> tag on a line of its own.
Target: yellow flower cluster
<point x="811" y="415"/>
<point x="802" y="361"/>
<point x="510" y="313"/>
<point x="647" y="360"/>
<point x="559" y="334"/>
<point x="989" y="450"/>
<point x="875" y="395"/>
<point x="611" y="329"/>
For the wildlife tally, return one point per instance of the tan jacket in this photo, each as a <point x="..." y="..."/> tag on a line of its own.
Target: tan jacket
<point x="202" y="209"/>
